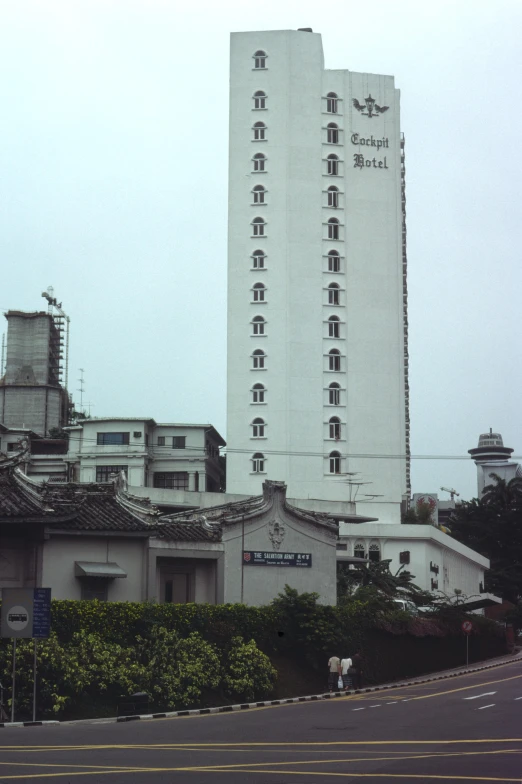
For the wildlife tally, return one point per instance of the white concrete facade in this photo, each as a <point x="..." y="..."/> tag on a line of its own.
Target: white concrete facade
<point x="288" y="255"/>
<point x="171" y="456"/>
<point x="440" y="563"/>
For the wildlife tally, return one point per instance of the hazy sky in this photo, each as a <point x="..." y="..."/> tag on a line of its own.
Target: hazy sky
<point x="114" y="186"/>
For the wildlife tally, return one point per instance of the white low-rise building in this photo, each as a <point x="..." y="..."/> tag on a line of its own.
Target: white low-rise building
<point x="440" y="563"/>
<point x="169" y="456"/>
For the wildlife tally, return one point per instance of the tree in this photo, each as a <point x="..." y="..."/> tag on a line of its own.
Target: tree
<point x="420" y="514"/>
<point x="378" y="575"/>
<point x="492" y="525"/>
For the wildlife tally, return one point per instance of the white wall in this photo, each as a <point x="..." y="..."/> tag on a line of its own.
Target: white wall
<point x="60" y="553"/>
<point x="459" y="567"/>
<point x="372" y="340"/>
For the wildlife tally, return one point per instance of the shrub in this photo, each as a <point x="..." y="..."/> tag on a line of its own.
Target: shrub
<point x="248" y="672"/>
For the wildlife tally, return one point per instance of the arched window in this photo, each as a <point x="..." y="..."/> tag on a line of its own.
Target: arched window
<point x="333" y="294"/>
<point x="259" y="129"/>
<point x="258" y="227"/>
<point x="258" y="359"/>
<point x="258" y="325"/>
<point x="334" y="360"/>
<point x="333" y="196"/>
<point x="334" y="394"/>
<point x="333" y="229"/>
<point x="258" y="393"/>
<point x="258" y="463"/>
<point x="260" y="59"/>
<point x="334" y="261"/>
<point x="331" y="103"/>
<point x="258" y="259"/>
<point x="335" y="462"/>
<point x="334" y="428"/>
<point x="259" y="161"/>
<point x="332" y="133"/>
<point x="258" y="428"/>
<point x="259" y="193"/>
<point x="358" y="550"/>
<point x="334" y="327"/>
<point x="374" y="552"/>
<point x="258" y="290"/>
<point x="259" y="100"/>
<point x="332" y="163"/>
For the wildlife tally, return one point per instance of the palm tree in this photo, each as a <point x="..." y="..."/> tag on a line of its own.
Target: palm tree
<point x="502" y="493"/>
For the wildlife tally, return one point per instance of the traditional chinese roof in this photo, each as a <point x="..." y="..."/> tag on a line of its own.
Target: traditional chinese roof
<point x="71" y="507"/>
<point x="186" y="532"/>
<point x="274" y="497"/>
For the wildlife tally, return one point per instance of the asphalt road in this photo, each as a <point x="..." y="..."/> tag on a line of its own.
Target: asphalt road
<point x="467" y="728"/>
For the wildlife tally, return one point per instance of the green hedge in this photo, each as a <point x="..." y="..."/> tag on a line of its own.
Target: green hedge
<point x="194" y="654"/>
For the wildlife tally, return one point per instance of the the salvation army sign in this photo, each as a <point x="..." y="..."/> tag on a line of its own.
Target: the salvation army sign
<point x="26" y="612"/>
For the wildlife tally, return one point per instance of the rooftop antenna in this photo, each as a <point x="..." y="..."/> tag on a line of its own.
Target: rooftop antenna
<point x="81" y="387"/>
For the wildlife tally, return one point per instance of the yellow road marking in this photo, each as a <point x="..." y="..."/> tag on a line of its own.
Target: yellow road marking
<point x="465" y="688"/>
<point x="403" y="776"/>
<point x="262" y="744"/>
<point x="440" y="755"/>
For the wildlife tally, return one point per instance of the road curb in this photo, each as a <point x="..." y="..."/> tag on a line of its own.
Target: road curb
<point x="29" y="723"/>
<point x="265" y="703"/>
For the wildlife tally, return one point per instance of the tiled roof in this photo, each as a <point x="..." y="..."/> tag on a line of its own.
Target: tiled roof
<point x="103" y="513"/>
<point x="69" y="506"/>
<point x="14" y="503"/>
<point x="186" y="532"/>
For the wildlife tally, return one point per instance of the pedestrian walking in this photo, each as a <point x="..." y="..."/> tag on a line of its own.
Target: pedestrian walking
<point x="358" y="663"/>
<point x="346" y="672"/>
<point x="334" y="670"/>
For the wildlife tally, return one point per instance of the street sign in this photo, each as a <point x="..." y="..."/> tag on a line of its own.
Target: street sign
<point x="251" y="558"/>
<point x="467" y="627"/>
<point x="26" y="612"/>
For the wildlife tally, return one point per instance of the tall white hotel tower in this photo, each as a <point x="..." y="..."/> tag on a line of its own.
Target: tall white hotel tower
<point x="317" y="317"/>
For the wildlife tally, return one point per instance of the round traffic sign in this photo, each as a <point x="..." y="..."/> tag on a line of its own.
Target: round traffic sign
<point x="467" y="626"/>
<point x="17" y="618"/>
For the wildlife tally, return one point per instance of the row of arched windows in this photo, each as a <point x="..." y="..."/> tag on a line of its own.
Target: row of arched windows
<point x="333" y="256"/>
<point x="259" y="194"/>
<point x="334" y="466"/>
<point x="258" y="357"/>
<point x="258" y="224"/>
<point x="333" y="289"/>
<point x="259" y="229"/>
<point x="259" y="159"/>
<point x="259" y="323"/>
<point x="258" y="392"/>
<point x="259" y="425"/>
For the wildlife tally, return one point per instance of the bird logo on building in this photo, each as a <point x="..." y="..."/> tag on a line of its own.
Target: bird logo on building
<point x="369" y="108"/>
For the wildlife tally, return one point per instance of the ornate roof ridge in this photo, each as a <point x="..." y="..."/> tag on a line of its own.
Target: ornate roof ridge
<point x="274" y="492"/>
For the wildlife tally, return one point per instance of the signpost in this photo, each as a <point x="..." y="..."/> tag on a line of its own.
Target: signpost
<point x="467" y="628"/>
<point x="26" y="613"/>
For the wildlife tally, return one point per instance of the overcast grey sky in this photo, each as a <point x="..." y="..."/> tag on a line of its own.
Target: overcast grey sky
<point x="114" y="186"/>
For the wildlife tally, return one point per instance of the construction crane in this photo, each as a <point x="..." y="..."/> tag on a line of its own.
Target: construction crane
<point x="452" y="493"/>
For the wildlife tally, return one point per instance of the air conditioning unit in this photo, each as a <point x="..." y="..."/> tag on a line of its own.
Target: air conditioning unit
<point x="137" y="434"/>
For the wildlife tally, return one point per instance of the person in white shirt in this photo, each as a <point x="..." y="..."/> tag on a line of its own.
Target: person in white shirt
<point x="346" y="666"/>
<point x="334" y="670"/>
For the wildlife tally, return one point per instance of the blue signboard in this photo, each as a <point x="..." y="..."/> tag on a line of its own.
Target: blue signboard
<point x="26" y="612"/>
<point x="277" y="559"/>
<point x="42" y="612"/>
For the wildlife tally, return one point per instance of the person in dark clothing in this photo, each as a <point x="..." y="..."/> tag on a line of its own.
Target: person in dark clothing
<point x="357" y="663"/>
